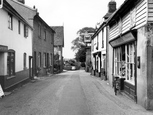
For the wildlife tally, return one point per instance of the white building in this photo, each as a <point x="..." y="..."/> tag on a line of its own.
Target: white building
<point x="15" y="47"/>
<point x="99" y="41"/>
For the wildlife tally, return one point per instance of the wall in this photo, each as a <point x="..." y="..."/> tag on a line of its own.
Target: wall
<point x="41" y="45"/>
<point x="15" y="41"/>
<point x="142" y="72"/>
<point x="2" y="63"/>
<point x="139" y="20"/>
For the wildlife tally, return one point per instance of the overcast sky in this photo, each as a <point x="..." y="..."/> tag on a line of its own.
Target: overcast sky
<point x="73" y="14"/>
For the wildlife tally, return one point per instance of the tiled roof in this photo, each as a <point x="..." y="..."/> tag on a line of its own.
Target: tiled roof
<point x="58" y="36"/>
<point x="13" y="11"/>
<point x="26" y="12"/>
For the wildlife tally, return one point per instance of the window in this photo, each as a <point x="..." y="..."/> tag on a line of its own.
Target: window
<point x="51" y="59"/>
<point x="45" y="34"/>
<point x="24" y="60"/>
<point x="45" y="60"/>
<point x="19" y="27"/>
<point x="10" y="21"/>
<point x="11" y="63"/>
<point x="39" y="59"/>
<point x="124" y="64"/>
<point x="102" y="38"/>
<point x="25" y="31"/>
<point x="39" y="30"/>
<point x="52" y="37"/>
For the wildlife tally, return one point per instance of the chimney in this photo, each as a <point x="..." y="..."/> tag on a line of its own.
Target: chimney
<point x="21" y="1"/>
<point x="111" y="6"/>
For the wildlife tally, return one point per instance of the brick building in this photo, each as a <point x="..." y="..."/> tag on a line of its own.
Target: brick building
<point x="43" y="39"/>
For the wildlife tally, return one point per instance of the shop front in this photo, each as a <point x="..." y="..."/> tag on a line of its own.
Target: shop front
<point x="124" y="63"/>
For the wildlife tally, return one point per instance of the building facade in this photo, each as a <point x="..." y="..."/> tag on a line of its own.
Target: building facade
<point x="15" y="47"/>
<point x="130" y="50"/>
<point x="99" y="44"/>
<point x="42" y="41"/>
<point x="59" y="44"/>
<point x="43" y="47"/>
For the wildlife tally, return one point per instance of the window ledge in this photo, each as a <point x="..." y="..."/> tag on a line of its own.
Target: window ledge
<point x="10" y="77"/>
<point x="130" y="82"/>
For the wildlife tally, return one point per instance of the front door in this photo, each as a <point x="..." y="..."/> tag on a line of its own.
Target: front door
<point x="30" y="67"/>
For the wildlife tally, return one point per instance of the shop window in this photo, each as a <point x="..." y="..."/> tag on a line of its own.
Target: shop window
<point x="124" y="64"/>
<point x="11" y="63"/>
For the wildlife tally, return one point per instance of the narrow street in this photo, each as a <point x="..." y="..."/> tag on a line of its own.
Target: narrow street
<point x="68" y="93"/>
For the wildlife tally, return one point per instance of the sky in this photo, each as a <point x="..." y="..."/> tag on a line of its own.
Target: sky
<point x="73" y="15"/>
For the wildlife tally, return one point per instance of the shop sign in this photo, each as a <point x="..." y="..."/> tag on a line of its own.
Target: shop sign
<point x="122" y="40"/>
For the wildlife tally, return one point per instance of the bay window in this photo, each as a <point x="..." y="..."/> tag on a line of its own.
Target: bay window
<point x="124" y="64"/>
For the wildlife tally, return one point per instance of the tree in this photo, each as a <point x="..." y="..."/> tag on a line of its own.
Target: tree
<point x="81" y="55"/>
<point x="56" y="62"/>
<point x="79" y="46"/>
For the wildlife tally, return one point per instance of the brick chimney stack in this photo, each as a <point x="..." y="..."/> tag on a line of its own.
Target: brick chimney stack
<point x="21" y="1"/>
<point x="111" y="6"/>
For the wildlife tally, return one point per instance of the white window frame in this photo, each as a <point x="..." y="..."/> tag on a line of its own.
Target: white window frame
<point x="10" y="21"/>
<point x="125" y="69"/>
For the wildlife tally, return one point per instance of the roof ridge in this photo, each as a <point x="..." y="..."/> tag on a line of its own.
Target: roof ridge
<point x="24" y="5"/>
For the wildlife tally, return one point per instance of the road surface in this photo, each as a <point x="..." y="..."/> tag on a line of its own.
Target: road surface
<point x="68" y="93"/>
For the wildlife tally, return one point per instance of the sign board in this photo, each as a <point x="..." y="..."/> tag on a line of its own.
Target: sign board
<point x="1" y="91"/>
<point x="87" y="38"/>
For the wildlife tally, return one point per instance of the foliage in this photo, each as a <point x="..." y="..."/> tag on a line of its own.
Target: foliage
<point x="80" y="56"/>
<point x="56" y="62"/>
<point x="79" y="45"/>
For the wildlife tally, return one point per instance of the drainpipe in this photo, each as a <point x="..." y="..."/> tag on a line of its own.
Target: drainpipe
<point x="113" y="69"/>
<point x="135" y="46"/>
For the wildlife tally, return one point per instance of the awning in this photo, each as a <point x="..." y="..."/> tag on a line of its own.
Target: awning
<point x="3" y="48"/>
<point x="122" y="40"/>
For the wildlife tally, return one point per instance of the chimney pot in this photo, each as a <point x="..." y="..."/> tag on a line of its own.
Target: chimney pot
<point x="111" y="6"/>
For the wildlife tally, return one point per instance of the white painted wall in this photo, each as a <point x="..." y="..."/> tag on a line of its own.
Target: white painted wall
<point x="15" y="41"/>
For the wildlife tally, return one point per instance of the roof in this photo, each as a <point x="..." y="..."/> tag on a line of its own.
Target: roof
<point x="10" y="9"/>
<point x="26" y="12"/>
<point x="37" y="16"/>
<point x="121" y="10"/>
<point x="106" y="17"/>
<point x="58" y="36"/>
